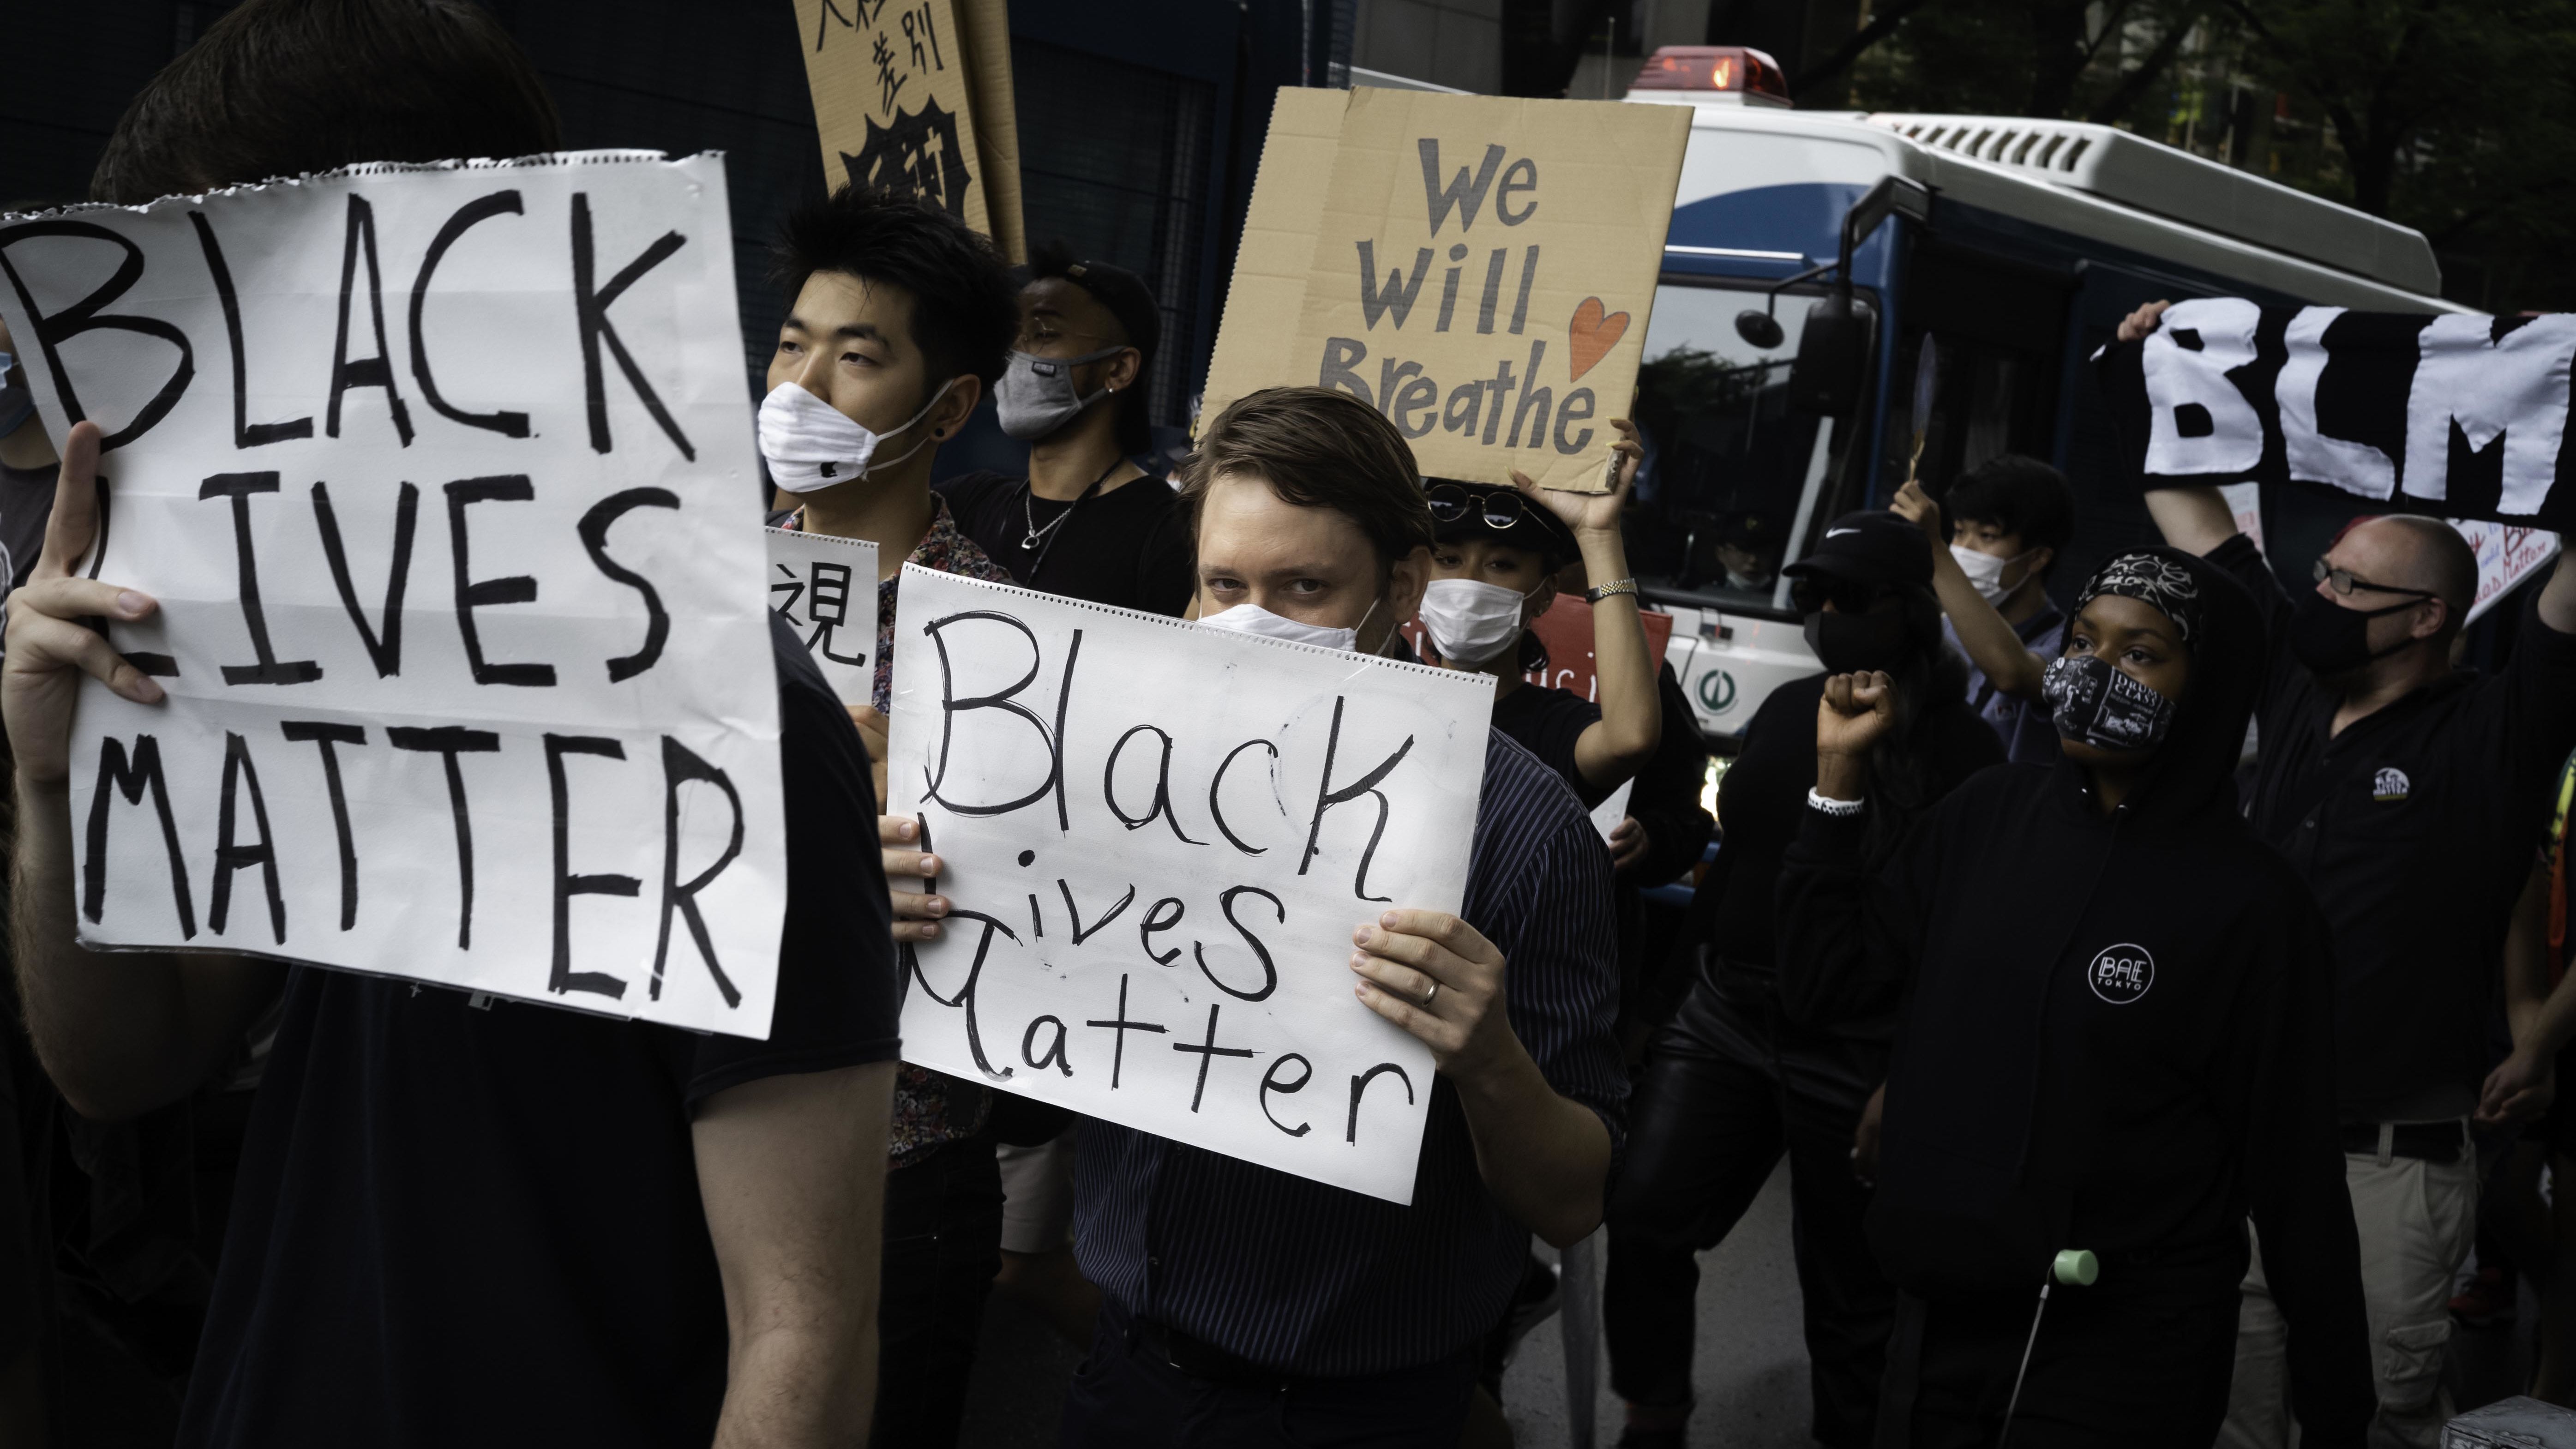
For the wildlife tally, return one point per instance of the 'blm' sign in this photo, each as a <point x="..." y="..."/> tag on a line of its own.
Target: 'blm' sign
<point x="2463" y="415"/>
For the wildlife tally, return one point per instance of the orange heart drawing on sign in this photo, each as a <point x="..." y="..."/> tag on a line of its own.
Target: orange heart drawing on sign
<point x="1592" y="335"/>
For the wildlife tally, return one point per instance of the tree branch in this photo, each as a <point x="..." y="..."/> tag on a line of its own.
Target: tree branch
<point x="1880" y="26"/>
<point x="2135" y="83"/>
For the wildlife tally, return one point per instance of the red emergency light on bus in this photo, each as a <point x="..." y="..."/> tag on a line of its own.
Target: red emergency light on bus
<point x="1733" y="69"/>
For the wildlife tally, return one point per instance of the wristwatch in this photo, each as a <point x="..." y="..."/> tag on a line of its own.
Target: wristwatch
<point x="1615" y="586"/>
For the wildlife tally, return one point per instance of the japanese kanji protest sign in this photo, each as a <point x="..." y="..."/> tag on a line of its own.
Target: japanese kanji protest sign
<point x="826" y="589"/>
<point x="1478" y="268"/>
<point x="897" y="89"/>
<point x="1158" y="839"/>
<point x="439" y="475"/>
<point x="2459" y="415"/>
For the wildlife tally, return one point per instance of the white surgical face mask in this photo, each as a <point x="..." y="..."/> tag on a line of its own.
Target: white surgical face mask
<point x="811" y="444"/>
<point x="1471" y="621"/>
<point x="1254" y="619"/>
<point x="1036" y="394"/>
<point x="1986" y="572"/>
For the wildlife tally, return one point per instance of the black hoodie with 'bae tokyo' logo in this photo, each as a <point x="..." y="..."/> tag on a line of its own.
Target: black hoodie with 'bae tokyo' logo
<point x="2116" y="1030"/>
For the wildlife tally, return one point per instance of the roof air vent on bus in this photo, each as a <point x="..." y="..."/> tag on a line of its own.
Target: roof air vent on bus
<point x="1718" y="72"/>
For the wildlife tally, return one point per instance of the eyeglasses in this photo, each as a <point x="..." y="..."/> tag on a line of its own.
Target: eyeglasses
<point x="2344" y="581"/>
<point x="1503" y="510"/>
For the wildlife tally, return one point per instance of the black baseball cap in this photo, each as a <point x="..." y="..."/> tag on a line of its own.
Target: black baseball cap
<point x="1500" y="513"/>
<point x="1127" y="298"/>
<point x="1876" y="550"/>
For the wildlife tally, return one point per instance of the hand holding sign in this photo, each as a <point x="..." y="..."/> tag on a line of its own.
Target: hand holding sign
<point x="1438" y="978"/>
<point x="49" y="645"/>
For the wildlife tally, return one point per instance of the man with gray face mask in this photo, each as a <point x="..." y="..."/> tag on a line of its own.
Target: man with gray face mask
<point x="1087" y="521"/>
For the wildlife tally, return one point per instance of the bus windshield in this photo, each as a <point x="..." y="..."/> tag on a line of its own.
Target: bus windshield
<point x="1727" y="463"/>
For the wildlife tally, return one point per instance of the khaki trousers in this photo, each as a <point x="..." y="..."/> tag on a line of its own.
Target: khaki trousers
<point x="2417" y="1221"/>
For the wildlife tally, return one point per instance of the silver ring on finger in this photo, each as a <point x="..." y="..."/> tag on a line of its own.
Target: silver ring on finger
<point x="1430" y="992"/>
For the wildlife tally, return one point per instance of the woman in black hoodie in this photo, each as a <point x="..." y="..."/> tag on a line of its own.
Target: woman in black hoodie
<point x="2116" y="1037"/>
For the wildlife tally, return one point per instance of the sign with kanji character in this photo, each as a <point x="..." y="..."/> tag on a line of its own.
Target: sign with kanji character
<point x="910" y="98"/>
<point x="826" y="589"/>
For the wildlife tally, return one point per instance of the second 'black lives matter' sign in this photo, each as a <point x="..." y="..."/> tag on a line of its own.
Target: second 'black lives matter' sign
<point x="442" y="476"/>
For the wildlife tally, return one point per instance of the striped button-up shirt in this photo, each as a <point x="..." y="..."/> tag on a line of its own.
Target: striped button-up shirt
<point x="1315" y="1280"/>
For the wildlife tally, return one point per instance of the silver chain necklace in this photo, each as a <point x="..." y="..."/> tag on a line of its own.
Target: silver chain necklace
<point x="1037" y="541"/>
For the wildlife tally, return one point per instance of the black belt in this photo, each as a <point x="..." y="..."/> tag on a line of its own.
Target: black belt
<point x="1203" y="1360"/>
<point x="2417" y="1141"/>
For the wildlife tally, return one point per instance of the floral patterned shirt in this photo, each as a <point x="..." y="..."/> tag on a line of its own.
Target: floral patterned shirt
<point x="930" y="1108"/>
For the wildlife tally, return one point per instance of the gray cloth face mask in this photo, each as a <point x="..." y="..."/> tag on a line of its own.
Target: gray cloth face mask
<point x="1036" y="395"/>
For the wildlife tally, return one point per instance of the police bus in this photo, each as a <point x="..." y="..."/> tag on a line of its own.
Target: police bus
<point x="2016" y="244"/>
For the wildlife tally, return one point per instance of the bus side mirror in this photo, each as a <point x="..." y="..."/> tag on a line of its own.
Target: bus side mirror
<point x="1833" y="352"/>
<point x="1833" y="358"/>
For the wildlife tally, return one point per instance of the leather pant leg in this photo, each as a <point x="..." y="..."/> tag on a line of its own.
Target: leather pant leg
<point x="1850" y="1307"/>
<point x="1704" y="1132"/>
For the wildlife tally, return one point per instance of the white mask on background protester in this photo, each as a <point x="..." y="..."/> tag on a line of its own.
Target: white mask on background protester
<point x="1986" y="572"/>
<point x="1254" y="619"/>
<point x="1036" y="394"/>
<point x="811" y="444"/>
<point x="1746" y="583"/>
<point x="1471" y="621"/>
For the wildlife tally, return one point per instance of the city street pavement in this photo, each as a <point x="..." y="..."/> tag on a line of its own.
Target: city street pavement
<point x="1751" y="1376"/>
<point x="1751" y="1380"/>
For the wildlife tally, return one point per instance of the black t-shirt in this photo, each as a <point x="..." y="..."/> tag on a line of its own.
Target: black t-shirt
<point x="1546" y="722"/>
<point x="2414" y="829"/>
<point x="1124" y="548"/>
<point x="462" y="1225"/>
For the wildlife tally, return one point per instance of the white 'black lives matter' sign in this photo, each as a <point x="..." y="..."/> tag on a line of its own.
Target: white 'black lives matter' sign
<point x="2464" y="416"/>
<point x="1158" y="839"/>
<point x="442" y="476"/>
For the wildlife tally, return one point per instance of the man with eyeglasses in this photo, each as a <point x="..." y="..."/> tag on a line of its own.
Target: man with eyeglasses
<point x="2406" y="792"/>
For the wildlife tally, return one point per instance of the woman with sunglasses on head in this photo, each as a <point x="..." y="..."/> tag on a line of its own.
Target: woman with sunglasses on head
<point x="1730" y="1086"/>
<point x="2097" y="1097"/>
<point x="1494" y="560"/>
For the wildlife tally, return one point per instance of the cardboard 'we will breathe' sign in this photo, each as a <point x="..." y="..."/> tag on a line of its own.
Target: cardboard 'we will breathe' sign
<point x="1478" y="268"/>
<point x="442" y="477"/>
<point x="1158" y="839"/>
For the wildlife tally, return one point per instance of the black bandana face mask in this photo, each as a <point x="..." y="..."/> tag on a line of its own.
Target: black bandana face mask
<point x="2093" y="703"/>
